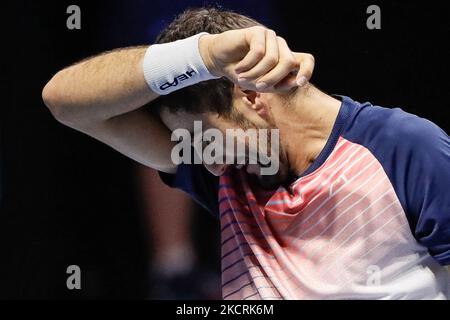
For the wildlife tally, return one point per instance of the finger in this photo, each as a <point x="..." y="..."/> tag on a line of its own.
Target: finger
<point x="257" y="49"/>
<point x="269" y="61"/>
<point x="286" y="65"/>
<point x="307" y="63"/>
<point x="287" y="83"/>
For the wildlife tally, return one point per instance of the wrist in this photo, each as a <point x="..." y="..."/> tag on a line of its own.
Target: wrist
<point x="175" y="65"/>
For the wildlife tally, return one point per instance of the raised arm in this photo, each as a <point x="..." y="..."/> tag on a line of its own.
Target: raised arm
<point x="103" y="96"/>
<point x="99" y="88"/>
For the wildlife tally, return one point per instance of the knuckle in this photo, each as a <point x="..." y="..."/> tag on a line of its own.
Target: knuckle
<point x="291" y="63"/>
<point x="311" y="57"/>
<point x="272" y="61"/>
<point x="259" y="29"/>
<point x="281" y="40"/>
<point x="259" y="51"/>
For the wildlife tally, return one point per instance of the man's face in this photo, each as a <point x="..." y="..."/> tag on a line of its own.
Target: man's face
<point x="253" y="157"/>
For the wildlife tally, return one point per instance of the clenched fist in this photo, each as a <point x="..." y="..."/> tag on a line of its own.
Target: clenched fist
<point x="256" y="59"/>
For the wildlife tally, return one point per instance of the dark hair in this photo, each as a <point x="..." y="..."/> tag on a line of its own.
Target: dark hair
<point x="212" y="95"/>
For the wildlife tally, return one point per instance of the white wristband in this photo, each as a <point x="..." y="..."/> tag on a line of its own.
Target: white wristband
<point x="175" y="65"/>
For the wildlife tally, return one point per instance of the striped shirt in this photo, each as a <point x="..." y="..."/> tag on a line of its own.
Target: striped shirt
<point x="370" y="218"/>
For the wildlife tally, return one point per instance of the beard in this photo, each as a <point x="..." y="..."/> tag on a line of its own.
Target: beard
<point x="266" y="182"/>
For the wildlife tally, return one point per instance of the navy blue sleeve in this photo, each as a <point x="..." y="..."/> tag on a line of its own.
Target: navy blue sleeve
<point x="415" y="153"/>
<point x="198" y="183"/>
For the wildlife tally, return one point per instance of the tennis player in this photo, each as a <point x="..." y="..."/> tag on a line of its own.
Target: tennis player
<point x="359" y="206"/>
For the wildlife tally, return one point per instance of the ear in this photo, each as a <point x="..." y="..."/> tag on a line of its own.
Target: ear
<point x="252" y="99"/>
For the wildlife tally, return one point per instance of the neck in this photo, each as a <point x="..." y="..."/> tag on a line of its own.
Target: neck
<point x="305" y="126"/>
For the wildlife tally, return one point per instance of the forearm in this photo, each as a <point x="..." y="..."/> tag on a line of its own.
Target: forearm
<point x="139" y="135"/>
<point x="103" y="96"/>
<point x="99" y="88"/>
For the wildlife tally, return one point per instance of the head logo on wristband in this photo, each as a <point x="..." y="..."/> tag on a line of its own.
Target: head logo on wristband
<point x="175" y="65"/>
<point x="185" y="76"/>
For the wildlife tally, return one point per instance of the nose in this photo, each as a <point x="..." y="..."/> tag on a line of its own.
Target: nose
<point x="216" y="169"/>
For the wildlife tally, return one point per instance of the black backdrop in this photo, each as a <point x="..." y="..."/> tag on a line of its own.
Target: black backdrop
<point x="67" y="199"/>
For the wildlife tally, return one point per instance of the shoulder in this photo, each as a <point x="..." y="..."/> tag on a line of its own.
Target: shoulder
<point x="393" y="129"/>
<point x="415" y="154"/>
<point x="408" y="129"/>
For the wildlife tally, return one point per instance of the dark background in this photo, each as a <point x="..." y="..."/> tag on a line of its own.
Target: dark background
<point x="66" y="199"/>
